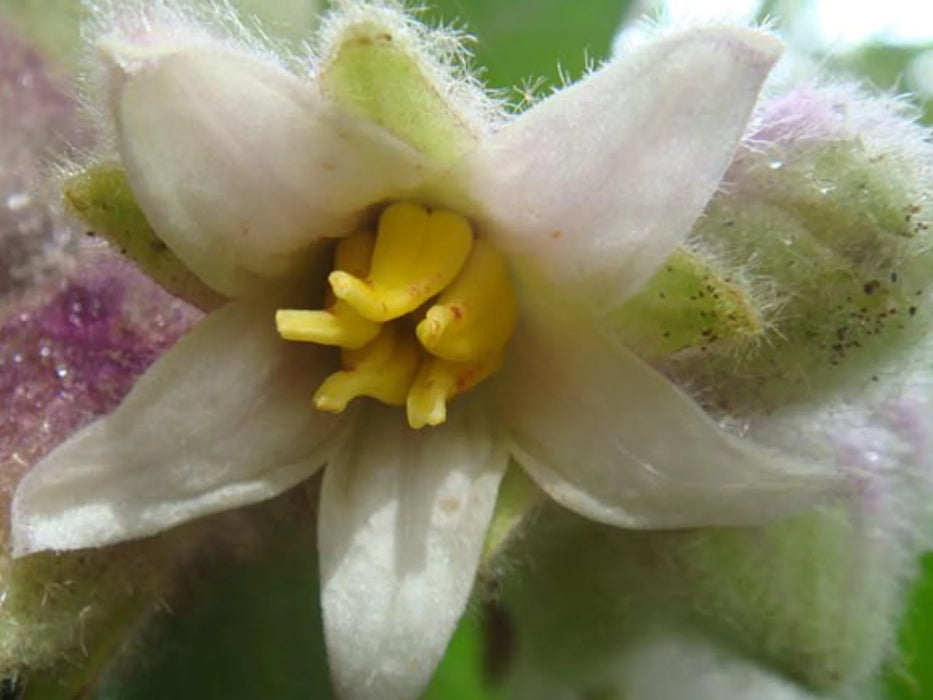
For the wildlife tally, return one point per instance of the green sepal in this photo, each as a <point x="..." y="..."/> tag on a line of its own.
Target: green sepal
<point x="65" y="614"/>
<point x="102" y="199"/>
<point x="839" y="238"/>
<point x="687" y="304"/>
<point x="375" y="77"/>
<point x="67" y="680"/>
<point x="518" y="497"/>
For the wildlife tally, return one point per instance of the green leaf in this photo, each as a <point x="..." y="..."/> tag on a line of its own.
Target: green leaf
<point x="461" y="674"/>
<point x="54" y="25"/>
<point x="885" y="66"/>
<point x="910" y="677"/>
<point x="249" y="629"/>
<point x="521" y="41"/>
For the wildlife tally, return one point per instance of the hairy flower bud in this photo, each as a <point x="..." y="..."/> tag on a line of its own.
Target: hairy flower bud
<point x="823" y="226"/>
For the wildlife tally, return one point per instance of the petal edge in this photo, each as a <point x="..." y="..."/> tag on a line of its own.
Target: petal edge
<point x="592" y="188"/>
<point x="611" y="438"/>
<point x="222" y="420"/>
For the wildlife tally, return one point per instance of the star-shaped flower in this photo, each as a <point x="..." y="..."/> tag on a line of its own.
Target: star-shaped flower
<point x="476" y="263"/>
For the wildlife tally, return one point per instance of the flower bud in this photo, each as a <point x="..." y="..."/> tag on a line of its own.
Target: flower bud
<point x="823" y="222"/>
<point x="826" y="212"/>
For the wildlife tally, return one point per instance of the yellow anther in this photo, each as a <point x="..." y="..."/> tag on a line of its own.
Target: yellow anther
<point x="416" y="255"/>
<point x="439" y="381"/>
<point x="446" y="303"/>
<point x="476" y="315"/>
<point x="383" y="370"/>
<point x="354" y="253"/>
<point x="339" y="325"/>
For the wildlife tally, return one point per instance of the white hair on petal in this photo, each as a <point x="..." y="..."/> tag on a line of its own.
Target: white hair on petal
<point x="215" y="23"/>
<point x="885" y="125"/>
<point x="441" y="52"/>
<point x="661" y="23"/>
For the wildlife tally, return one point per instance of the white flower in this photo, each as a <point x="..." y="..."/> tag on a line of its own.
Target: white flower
<point x="248" y="171"/>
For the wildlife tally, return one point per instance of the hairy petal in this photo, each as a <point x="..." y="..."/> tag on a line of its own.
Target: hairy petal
<point x="402" y="522"/>
<point x="595" y="186"/>
<point x="222" y="420"/>
<point x="609" y="437"/>
<point x="238" y="165"/>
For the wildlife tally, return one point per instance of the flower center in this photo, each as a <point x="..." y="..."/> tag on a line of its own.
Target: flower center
<point x="422" y="311"/>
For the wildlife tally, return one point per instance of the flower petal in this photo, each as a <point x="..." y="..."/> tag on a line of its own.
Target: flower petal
<point x="609" y="437"/>
<point x="223" y="419"/>
<point x="402" y="521"/>
<point x="596" y="185"/>
<point x="238" y="166"/>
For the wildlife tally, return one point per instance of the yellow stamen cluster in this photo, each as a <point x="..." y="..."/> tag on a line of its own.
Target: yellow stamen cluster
<point x="421" y="310"/>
